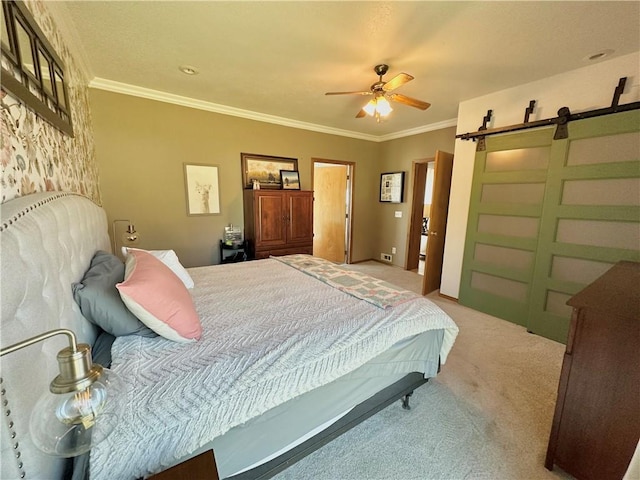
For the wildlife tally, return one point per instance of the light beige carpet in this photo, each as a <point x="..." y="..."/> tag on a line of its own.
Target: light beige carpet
<point x="486" y="416"/>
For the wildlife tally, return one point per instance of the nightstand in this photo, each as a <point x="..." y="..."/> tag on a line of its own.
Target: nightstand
<point x="200" y="467"/>
<point x="233" y="253"/>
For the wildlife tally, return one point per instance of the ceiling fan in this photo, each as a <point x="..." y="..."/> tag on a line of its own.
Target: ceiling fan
<point x="379" y="105"/>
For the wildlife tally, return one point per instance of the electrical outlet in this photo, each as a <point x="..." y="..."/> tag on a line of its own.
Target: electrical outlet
<point x="398" y="213"/>
<point x="385" y="256"/>
<point x="393" y="250"/>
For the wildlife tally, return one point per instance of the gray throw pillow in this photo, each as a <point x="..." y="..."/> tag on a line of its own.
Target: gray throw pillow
<point x="100" y="301"/>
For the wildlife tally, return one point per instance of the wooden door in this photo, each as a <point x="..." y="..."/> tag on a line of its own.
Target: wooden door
<point x="437" y="221"/>
<point x="506" y="203"/>
<point x="548" y="216"/>
<point x="591" y="215"/>
<point x="330" y="210"/>
<point x="417" y="212"/>
<point x="299" y="218"/>
<point x="270" y="219"/>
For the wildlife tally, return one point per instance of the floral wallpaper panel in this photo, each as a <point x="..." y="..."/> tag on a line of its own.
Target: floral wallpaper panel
<point x="34" y="155"/>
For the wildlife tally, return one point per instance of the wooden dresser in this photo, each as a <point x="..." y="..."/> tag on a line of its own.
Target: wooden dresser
<point x="278" y="222"/>
<point x="596" y="425"/>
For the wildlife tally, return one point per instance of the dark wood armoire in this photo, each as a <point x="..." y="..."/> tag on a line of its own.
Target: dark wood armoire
<point x="278" y="222"/>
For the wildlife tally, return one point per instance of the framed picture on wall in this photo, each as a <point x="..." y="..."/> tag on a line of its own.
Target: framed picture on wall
<point x="392" y="187"/>
<point x="202" y="189"/>
<point x="265" y="170"/>
<point x="290" y="179"/>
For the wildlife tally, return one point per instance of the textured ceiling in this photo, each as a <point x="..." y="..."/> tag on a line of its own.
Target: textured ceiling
<point x="279" y="58"/>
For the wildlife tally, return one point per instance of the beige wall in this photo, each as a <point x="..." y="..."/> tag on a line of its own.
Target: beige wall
<point x="399" y="155"/>
<point x="141" y="146"/>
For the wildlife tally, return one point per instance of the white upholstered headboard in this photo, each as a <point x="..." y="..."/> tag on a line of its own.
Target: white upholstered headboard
<point x="47" y="241"/>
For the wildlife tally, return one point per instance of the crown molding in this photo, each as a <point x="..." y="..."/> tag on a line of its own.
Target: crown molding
<point x="452" y="122"/>
<point x="150" y="94"/>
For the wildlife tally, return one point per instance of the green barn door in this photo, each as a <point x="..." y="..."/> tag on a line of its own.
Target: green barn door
<point x="547" y="217"/>
<point x="591" y="217"/>
<point x="507" y="195"/>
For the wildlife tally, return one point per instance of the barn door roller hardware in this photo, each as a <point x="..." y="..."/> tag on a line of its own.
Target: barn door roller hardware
<point x="561" y="121"/>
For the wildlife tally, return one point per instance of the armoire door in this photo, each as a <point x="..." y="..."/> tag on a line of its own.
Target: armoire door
<point x="270" y="217"/>
<point x="299" y="218"/>
<point x="547" y="217"/>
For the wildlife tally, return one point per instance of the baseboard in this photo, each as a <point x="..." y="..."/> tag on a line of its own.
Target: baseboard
<point x="453" y="299"/>
<point x="374" y="260"/>
<point x="361" y="261"/>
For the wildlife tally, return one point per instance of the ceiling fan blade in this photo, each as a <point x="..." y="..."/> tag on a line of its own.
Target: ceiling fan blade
<point x="350" y="93"/>
<point x="412" y="102"/>
<point x="361" y="114"/>
<point x="397" y="81"/>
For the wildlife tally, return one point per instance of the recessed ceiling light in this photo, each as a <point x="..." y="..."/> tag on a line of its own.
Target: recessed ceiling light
<point x="599" y="55"/>
<point x="188" y="70"/>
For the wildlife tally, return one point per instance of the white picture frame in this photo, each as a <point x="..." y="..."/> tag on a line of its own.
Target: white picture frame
<point x="202" y="188"/>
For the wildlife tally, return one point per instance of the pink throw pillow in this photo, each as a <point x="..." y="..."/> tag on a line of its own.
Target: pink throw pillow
<point x="154" y="294"/>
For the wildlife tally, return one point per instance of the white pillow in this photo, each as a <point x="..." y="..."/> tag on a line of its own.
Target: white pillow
<point x="170" y="259"/>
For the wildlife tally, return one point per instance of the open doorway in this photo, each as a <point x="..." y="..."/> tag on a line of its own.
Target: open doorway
<point x="429" y="210"/>
<point x="423" y="174"/>
<point x="332" y="207"/>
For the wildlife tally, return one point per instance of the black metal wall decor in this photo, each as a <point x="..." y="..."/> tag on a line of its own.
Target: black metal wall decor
<point x="31" y="70"/>
<point x="561" y="121"/>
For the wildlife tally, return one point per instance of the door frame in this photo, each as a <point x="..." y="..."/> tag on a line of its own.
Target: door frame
<point x="417" y="206"/>
<point x="443" y="163"/>
<point x="438" y="217"/>
<point x="351" y="172"/>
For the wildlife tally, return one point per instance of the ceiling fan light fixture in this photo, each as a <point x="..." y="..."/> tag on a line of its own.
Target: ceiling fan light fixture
<point x="370" y="107"/>
<point x="383" y="107"/>
<point x="379" y="105"/>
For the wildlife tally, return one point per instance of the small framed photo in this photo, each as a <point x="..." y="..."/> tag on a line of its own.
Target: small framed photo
<point x="202" y="189"/>
<point x="290" y="179"/>
<point x="392" y="187"/>
<point x="265" y="170"/>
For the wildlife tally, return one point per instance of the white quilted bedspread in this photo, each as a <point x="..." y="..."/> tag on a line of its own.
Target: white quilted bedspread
<point x="270" y="333"/>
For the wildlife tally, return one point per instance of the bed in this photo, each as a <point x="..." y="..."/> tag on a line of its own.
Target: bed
<point x="292" y="349"/>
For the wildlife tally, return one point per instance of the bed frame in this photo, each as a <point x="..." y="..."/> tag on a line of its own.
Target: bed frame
<point x="401" y="390"/>
<point x="48" y="240"/>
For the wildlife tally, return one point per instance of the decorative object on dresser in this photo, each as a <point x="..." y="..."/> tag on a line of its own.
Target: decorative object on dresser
<point x="290" y="179"/>
<point x="596" y="425"/>
<point x="278" y="222"/>
<point x="263" y="171"/>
